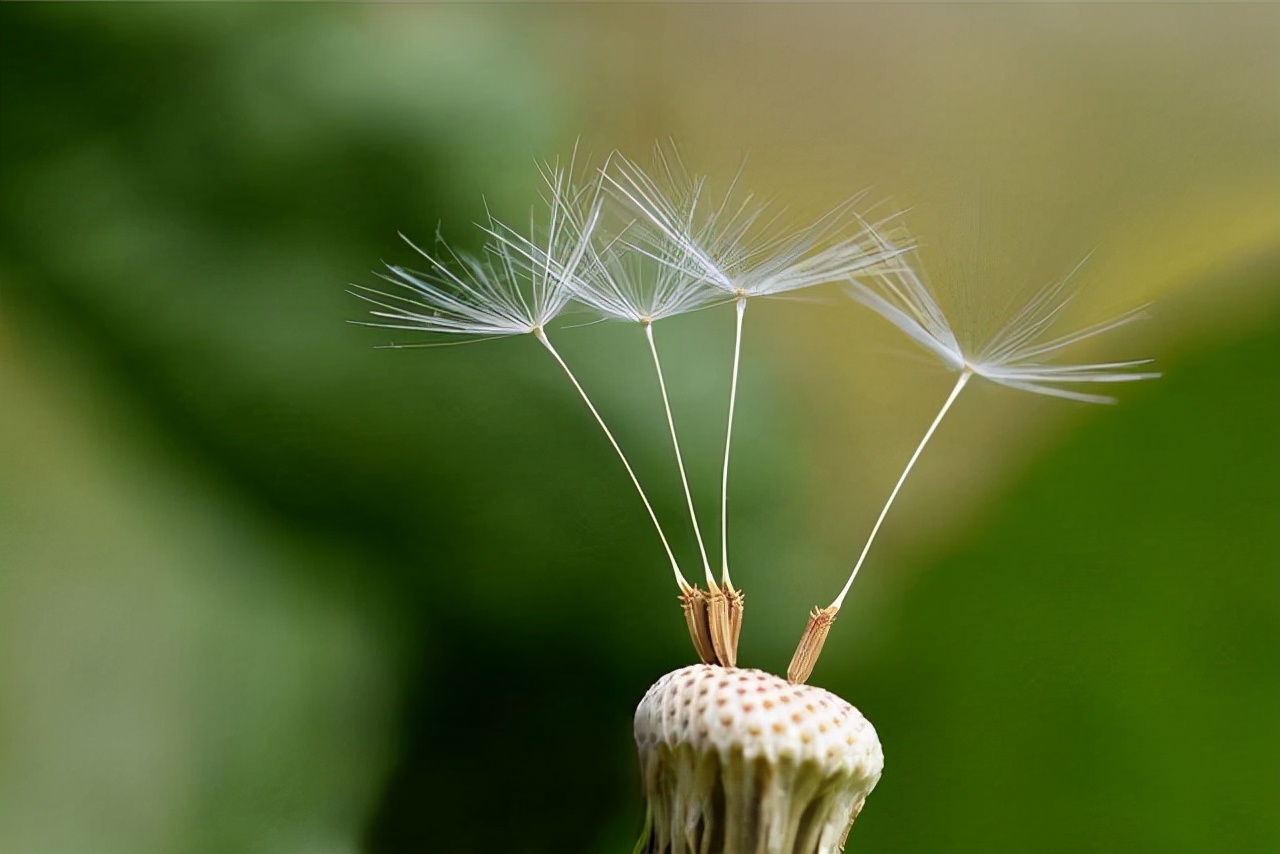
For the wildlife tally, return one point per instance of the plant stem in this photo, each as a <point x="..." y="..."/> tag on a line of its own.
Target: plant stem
<point x="955" y="392"/>
<point x="675" y="567"/>
<point x="675" y="443"/>
<point x="728" y="438"/>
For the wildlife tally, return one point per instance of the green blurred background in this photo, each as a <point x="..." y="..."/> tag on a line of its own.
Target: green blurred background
<point x="266" y="588"/>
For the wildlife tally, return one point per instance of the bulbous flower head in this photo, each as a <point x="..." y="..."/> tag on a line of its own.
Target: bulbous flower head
<point x="738" y="761"/>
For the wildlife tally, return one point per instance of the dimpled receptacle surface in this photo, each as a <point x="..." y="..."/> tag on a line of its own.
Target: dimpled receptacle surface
<point x="737" y="760"/>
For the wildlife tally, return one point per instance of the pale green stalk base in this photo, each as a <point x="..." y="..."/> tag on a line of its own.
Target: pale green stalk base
<point x="698" y="804"/>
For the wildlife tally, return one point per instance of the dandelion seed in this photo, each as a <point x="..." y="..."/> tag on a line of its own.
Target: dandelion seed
<point x="743" y="246"/>
<point x="811" y="643"/>
<point x="637" y="288"/>
<point x="631" y="286"/>
<point x="634" y="287"/>
<point x="743" y="249"/>
<point x="516" y="287"/>
<point x="1013" y="357"/>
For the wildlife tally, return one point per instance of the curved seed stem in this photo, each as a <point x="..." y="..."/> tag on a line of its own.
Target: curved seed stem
<point x="728" y="438"/>
<point x="955" y="392"/>
<point x="688" y="496"/>
<point x="680" y="580"/>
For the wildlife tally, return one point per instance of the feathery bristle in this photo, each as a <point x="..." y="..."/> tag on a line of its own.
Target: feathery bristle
<point x="1014" y="355"/>
<point x="741" y="245"/>
<point x="516" y="286"/>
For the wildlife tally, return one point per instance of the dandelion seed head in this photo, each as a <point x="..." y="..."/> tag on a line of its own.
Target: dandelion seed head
<point x="516" y="285"/>
<point x="633" y="286"/>
<point x="1017" y="355"/>
<point x="740" y="244"/>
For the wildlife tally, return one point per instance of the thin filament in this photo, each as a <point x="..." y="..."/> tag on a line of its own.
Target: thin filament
<point x="728" y="438"/>
<point x="680" y="580"/>
<point x="688" y="496"/>
<point x="955" y="392"/>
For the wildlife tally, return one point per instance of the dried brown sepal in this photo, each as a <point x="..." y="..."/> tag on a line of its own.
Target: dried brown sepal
<point x="721" y="631"/>
<point x="810" y="646"/>
<point x="736" y="605"/>
<point x="694" y="604"/>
